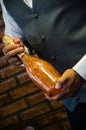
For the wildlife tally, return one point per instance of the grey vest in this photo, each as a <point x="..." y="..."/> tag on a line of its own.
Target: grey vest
<point x="56" y="30"/>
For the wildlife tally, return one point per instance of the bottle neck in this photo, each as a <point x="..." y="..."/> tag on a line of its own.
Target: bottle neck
<point x="25" y="58"/>
<point x="21" y="55"/>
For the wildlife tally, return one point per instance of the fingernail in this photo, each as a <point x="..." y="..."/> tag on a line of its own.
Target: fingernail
<point x="18" y="45"/>
<point x="58" y="85"/>
<point x="21" y="48"/>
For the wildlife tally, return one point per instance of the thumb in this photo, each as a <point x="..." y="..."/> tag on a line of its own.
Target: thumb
<point x="62" y="80"/>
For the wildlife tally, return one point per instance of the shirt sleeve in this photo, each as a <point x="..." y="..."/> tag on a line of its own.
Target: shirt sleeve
<point x="11" y="27"/>
<point x="80" y="67"/>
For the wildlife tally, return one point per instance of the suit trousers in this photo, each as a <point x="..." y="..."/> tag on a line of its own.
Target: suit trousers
<point x="77" y="118"/>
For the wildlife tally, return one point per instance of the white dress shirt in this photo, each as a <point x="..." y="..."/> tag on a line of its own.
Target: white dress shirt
<point x="12" y="29"/>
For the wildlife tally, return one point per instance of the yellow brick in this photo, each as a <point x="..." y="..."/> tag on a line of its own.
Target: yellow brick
<point x="52" y="117"/>
<point x="10" y="121"/>
<point x="10" y="71"/>
<point x="12" y="108"/>
<point x="36" y="98"/>
<point x="7" y="85"/>
<point x="23" y="78"/>
<point x="24" y="90"/>
<point x="4" y="99"/>
<point x="56" y="104"/>
<point x="36" y="111"/>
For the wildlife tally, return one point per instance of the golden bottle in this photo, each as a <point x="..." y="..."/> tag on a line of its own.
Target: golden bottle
<point x="42" y="73"/>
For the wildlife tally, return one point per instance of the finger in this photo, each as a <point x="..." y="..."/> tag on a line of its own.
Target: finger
<point x="18" y="41"/>
<point x="14" y="52"/>
<point x="64" y="96"/>
<point x="65" y="77"/>
<point x="9" y="48"/>
<point x="50" y="98"/>
<point x="64" y="92"/>
<point x="63" y="80"/>
<point x="59" y="85"/>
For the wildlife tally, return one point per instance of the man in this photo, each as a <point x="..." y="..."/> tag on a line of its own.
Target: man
<point x="56" y="30"/>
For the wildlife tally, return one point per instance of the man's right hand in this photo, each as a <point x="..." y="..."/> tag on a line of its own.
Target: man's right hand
<point x="11" y="50"/>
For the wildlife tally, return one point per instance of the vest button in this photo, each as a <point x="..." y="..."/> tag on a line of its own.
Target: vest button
<point x="53" y="58"/>
<point x="43" y="37"/>
<point x="36" y="15"/>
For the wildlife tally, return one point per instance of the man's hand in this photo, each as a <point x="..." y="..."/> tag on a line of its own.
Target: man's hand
<point x="11" y="50"/>
<point x="69" y="84"/>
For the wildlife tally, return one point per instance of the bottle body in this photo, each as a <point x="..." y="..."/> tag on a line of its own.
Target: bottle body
<point x="41" y="73"/>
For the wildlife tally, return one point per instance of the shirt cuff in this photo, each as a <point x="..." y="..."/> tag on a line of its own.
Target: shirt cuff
<point x="80" y="67"/>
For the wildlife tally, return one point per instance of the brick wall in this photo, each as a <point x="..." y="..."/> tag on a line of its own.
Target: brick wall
<point x="22" y="103"/>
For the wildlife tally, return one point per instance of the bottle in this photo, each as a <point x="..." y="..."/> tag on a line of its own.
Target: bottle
<point x="42" y="73"/>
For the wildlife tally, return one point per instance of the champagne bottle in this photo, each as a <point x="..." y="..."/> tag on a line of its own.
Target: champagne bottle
<point x="42" y="73"/>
